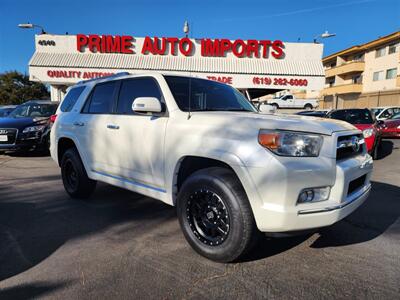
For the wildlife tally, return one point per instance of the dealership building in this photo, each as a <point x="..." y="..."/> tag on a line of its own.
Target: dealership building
<point x="257" y="67"/>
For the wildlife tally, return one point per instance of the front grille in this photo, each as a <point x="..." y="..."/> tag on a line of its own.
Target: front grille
<point x="30" y="135"/>
<point x="349" y="146"/>
<point x="356" y="184"/>
<point x="11" y="135"/>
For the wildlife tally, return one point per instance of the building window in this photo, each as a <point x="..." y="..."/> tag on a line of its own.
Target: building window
<point x="393" y="48"/>
<point x="391" y="73"/>
<point x="378" y="76"/>
<point x="330" y="82"/>
<point x="357" y="79"/>
<point x="358" y="57"/>
<point x="380" y="52"/>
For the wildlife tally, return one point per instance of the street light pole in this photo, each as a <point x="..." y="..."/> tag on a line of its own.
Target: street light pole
<point x="186" y="28"/>
<point x="324" y="35"/>
<point x="31" y="26"/>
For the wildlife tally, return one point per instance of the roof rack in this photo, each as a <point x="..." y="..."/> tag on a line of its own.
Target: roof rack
<point x="104" y="77"/>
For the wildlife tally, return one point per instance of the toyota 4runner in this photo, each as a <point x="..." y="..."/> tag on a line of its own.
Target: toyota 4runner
<point x="199" y="145"/>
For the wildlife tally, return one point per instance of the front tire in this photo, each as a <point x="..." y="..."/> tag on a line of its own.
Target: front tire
<point x="215" y="215"/>
<point x="76" y="182"/>
<point x="375" y="151"/>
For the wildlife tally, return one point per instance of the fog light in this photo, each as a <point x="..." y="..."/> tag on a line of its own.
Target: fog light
<point x="306" y="196"/>
<point x="314" y="194"/>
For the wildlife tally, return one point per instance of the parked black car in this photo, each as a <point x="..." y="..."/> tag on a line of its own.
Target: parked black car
<point x="313" y="113"/>
<point x="27" y="126"/>
<point x="6" y="109"/>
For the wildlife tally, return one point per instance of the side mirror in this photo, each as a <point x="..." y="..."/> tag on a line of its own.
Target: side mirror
<point x="267" y="109"/>
<point x="380" y="122"/>
<point x="146" y="104"/>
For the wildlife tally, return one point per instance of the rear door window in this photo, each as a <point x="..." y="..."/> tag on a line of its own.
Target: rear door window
<point x="102" y="98"/>
<point x="134" y="88"/>
<point x="71" y="98"/>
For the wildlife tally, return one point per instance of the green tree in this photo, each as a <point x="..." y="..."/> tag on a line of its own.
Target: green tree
<point x="15" y="88"/>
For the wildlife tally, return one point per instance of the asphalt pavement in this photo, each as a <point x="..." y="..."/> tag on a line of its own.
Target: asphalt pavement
<point x="120" y="245"/>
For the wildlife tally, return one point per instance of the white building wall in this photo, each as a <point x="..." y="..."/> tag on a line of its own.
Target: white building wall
<point x="376" y="64"/>
<point x="57" y="92"/>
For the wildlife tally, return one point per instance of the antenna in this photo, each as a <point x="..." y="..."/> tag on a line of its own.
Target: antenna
<point x="186" y="31"/>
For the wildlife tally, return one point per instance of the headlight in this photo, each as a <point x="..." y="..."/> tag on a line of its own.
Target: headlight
<point x="290" y="143"/>
<point x="368" y="132"/>
<point x="33" y="128"/>
<point x="398" y="127"/>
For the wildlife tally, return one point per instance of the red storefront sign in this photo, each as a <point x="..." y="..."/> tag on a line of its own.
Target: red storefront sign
<point x="76" y="74"/>
<point x="185" y="46"/>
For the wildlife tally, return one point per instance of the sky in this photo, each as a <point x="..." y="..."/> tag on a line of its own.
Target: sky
<point x="353" y="21"/>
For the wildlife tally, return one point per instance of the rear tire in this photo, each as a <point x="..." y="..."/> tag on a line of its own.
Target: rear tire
<point x="308" y="107"/>
<point x="275" y="105"/>
<point x="76" y="182"/>
<point x="215" y="215"/>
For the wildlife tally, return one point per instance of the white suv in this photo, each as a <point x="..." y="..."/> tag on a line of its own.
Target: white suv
<point x="201" y="146"/>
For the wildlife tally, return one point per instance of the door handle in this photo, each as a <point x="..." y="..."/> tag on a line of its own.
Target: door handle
<point x="79" y="124"/>
<point x="111" y="126"/>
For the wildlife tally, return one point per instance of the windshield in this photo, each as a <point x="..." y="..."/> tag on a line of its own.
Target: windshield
<point x="33" y="111"/>
<point x="206" y="95"/>
<point x="395" y="117"/>
<point x="353" y="116"/>
<point x="376" y="111"/>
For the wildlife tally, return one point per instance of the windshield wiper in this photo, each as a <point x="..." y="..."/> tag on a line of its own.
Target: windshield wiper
<point x="238" y="109"/>
<point x="222" y="109"/>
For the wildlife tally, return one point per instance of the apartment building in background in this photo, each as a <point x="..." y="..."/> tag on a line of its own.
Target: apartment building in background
<point x="361" y="76"/>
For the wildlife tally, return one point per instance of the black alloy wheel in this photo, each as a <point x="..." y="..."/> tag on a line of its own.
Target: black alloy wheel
<point x="75" y="179"/>
<point x="215" y="215"/>
<point x="71" y="176"/>
<point x="208" y="217"/>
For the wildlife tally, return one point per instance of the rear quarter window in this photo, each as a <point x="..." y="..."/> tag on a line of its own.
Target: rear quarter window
<point x="71" y="98"/>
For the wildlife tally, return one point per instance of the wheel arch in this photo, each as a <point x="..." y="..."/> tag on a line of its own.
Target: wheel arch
<point x="308" y="104"/>
<point x="189" y="164"/>
<point x="275" y="104"/>
<point x="63" y="144"/>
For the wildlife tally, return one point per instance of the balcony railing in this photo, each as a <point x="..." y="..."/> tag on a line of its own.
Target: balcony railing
<point x="349" y="67"/>
<point x="342" y="89"/>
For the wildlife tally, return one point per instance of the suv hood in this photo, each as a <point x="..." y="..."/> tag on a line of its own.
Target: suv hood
<point x="275" y="121"/>
<point x="20" y="123"/>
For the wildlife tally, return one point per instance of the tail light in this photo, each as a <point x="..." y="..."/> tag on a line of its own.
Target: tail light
<point x="53" y="118"/>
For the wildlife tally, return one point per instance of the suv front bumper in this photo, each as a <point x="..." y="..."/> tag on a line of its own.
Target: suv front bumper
<point x="279" y="210"/>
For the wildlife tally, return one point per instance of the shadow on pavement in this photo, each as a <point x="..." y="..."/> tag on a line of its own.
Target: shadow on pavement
<point x="385" y="149"/>
<point x="268" y="246"/>
<point x="34" y="224"/>
<point x="374" y="217"/>
<point x="30" y="291"/>
<point x="27" y="153"/>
